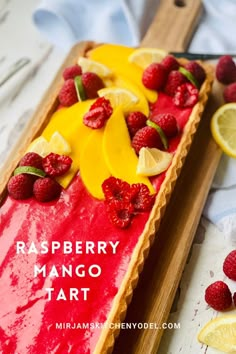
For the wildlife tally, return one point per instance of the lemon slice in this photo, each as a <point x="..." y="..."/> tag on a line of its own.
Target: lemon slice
<point x="40" y="146"/>
<point x="94" y="66"/>
<point x="59" y="145"/>
<point x="223" y="128"/>
<point x="146" y="56"/>
<point x="220" y="334"/>
<point x="153" y="161"/>
<point x="119" y="96"/>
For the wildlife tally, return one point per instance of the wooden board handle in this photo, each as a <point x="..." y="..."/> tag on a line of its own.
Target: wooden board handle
<point x="173" y="25"/>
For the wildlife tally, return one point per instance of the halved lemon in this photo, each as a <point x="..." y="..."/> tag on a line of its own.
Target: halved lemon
<point x="152" y="161"/>
<point x="94" y="66"/>
<point x="59" y="145"/>
<point x="146" y="56"/>
<point x="40" y="146"/>
<point x="119" y="96"/>
<point x="220" y="334"/>
<point x="223" y="128"/>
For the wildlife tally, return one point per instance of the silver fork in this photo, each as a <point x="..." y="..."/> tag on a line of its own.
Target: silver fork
<point x="13" y="69"/>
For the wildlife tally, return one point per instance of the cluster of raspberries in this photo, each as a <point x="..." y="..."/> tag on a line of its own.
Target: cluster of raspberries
<point x="91" y="84"/>
<point x="180" y="82"/>
<point x="218" y="294"/>
<point x="39" y="181"/>
<point x="123" y="200"/>
<point x="226" y="74"/>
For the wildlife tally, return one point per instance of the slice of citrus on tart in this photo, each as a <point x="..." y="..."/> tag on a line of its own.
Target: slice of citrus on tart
<point x="119" y="96"/>
<point x="220" y="333"/>
<point x="146" y="56"/>
<point x="152" y="161"/>
<point x="223" y="128"/>
<point x="94" y="66"/>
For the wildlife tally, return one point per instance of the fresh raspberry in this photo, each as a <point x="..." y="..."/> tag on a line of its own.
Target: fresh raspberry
<point x="71" y="72"/>
<point x="170" y="63"/>
<point x="95" y="118"/>
<point x="218" y="296"/>
<point x="21" y="186"/>
<point x="229" y="93"/>
<point x="56" y="165"/>
<point x="229" y="265"/>
<point x="104" y="103"/>
<point x="197" y="71"/>
<point x="46" y="189"/>
<point x="226" y="70"/>
<point x="167" y="122"/>
<point x="120" y="213"/>
<point x="174" y="80"/>
<point x="67" y="95"/>
<point x="154" y="76"/>
<point x="234" y="299"/>
<point x="32" y="159"/>
<point x="146" y="137"/>
<point x="140" y="197"/>
<point x="92" y="84"/>
<point x="135" y="121"/>
<point x="186" y="95"/>
<point x="115" y="189"/>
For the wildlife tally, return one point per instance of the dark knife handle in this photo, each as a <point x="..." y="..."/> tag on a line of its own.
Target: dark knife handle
<point x="200" y="56"/>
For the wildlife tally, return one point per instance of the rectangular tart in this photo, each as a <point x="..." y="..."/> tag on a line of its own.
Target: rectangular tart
<point x="67" y="271"/>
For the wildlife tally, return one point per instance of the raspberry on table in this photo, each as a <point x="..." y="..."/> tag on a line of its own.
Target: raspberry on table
<point x="141" y="198"/>
<point x="71" y="72"/>
<point x="68" y="95"/>
<point x="154" y="76"/>
<point x="229" y="265"/>
<point x="32" y="159"/>
<point x="46" y="189"/>
<point x="218" y="296"/>
<point x="197" y="71"/>
<point x="56" y="165"/>
<point x="170" y="63"/>
<point x="167" y="122"/>
<point x="229" y="93"/>
<point x="226" y="70"/>
<point x="92" y="83"/>
<point x="174" y="80"/>
<point x="186" y="95"/>
<point x="146" y="137"/>
<point x="135" y="121"/>
<point x="21" y="186"/>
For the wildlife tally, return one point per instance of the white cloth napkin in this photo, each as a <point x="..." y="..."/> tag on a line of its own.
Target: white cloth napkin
<point x="125" y="21"/>
<point x="66" y="22"/>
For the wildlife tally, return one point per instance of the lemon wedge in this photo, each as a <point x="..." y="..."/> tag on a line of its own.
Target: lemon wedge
<point x="223" y="128"/>
<point x="220" y="334"/>
<point x="57" y="144"/>
<point x="153" y="161"/>
<point x="146" y="56"/>
<point x="119" y="96"/>
<point x="40" y="146"/>
<point x="94" y="66"/>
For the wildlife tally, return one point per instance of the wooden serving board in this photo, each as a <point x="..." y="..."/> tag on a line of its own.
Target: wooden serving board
<point x="172" y="29"/>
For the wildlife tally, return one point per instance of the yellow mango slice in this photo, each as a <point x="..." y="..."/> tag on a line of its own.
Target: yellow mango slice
<point x="116" y="57"/>
<point x="142" y="104"/>
<point x="93" y="168"/>
<point x="69" y="123"/>
<point x="119" y="155"/>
